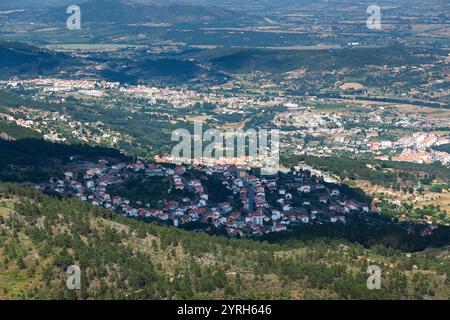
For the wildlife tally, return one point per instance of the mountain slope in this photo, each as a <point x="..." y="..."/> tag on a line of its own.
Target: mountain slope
<point x="26" y="60"/>
<point x="278" y="61"/>
<point x="124" y="258"/>
<point x="33" y="160"/>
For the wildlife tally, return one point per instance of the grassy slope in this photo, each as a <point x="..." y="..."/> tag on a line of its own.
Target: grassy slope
<point x="17" y="131"/>
<point x="123" y="258"/>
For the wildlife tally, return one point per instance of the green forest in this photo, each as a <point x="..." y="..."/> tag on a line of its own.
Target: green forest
<point x="122" y="258"/>
<point x="35" y="160"/>
<point x="385" y="173"/>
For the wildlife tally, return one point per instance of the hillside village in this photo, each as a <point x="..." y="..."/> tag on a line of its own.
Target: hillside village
<point x="257" y="205"/>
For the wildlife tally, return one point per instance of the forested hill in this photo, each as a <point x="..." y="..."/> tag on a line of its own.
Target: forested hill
<point x="124" y="258"/>
<point x="35" y="160"/>
<point x="26" y="60"/>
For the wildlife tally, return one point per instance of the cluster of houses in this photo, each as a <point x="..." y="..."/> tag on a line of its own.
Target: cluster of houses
<point x="178" y="98"/>
<point x="257" y="205"/>
<point x="362" y="133"/>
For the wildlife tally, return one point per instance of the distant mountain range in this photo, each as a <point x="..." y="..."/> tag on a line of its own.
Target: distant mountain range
<point x="23" y="60"/>
<point x="32" y="4"/>
<point x="130" y="12"/>
<point x="242" y="6"/>
<point x="18" y="59"/>
<point x="139" y="11"/>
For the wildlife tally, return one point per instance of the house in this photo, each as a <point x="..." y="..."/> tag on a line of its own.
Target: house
<point x="304" y="189"/>
<point x="229" y="224"/>
<point x="258" y="231"/>
<point x="323" y="199"/>
<point x="95" y="202"/>
<point x="171" y="205"/>
<point x="260" y="202"/>
<point x="303" y="218"/>
<point x="239" y="183"/>
<point x="69" y="174"/>
<point x="179" y="185"/>
<point x="195" y="214"/>
<point x="350" y="207"/>
<point x="279" y="228"/>
<point x="162" y="216"/>
<point x="234" y="215"/>
<point x="154" y="212"/>
<point x="276" y="215"/>
<point x="133" y="213"/>
<point x="179" y="212"/>
<point x="141" y="212"/>
<point x="271" y="185"/>
<point x="255" y="218"/>
<point x="77" y="185"/>
<point x="225" y="206"/>
<point x="90" y="184"/>
<point x="338" y="218"/>
<point x="335" y="207"/>
<point x="138" y="166"/>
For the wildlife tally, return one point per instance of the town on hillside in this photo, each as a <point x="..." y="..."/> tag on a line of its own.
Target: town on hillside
<point x="222" y="197"/>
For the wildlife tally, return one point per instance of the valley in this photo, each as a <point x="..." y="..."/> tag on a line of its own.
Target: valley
<point x="233" y="150"/>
